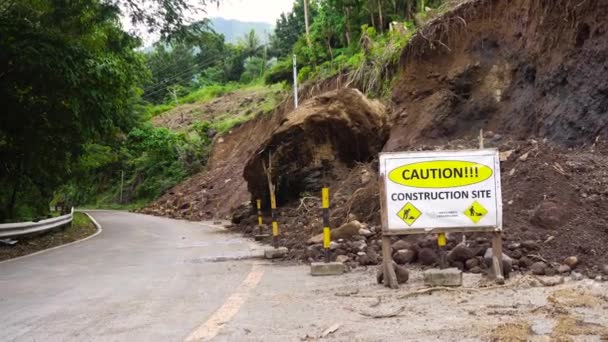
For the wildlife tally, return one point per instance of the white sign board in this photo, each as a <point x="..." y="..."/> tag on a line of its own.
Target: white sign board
<point x="442" y="189"/>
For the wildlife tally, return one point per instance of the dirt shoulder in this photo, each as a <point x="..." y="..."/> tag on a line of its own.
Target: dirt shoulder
<point x="352" y="307"/>
<point x="81" y="228"/>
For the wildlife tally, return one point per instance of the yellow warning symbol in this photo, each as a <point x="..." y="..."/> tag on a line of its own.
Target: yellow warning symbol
<point x="476" y="212"/>
<point x="409" y="214"/>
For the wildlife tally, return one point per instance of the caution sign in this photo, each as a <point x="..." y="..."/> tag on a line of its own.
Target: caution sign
<point x="409" y="214"/>
<point x="476" y="212"/>
<point x="442" y="189"/>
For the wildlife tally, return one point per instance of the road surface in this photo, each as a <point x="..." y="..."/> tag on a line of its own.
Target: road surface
<point x="143" y="278"/>
<point x="147" y="278"/>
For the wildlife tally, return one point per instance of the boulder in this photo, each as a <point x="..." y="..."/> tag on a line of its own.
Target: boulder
<point x="404" y="256"/>
<point x="369" y="258"/>
<point x="576" y="276"/>
<point x="525" y="262"/>
<point x="471" y="263"/>
<point x="538" y="268"/>
<point x="507" y="262"/>
<point x="345" y="231"/>
<point x="342" y="258"/>
<point x="550" y="271"/>
<point x="475" y="270"/>
<point x="427" y="256"/>
<point x="571" y="261"/>
<point x="403" y="275"/>
<point x="402" y="244"/>
<point x="564" y="269"/>
<point x="530" y="245"/>
<point x="516" y="254"/>
<point x="460" y="253"/>
<point x="365" y="232"/>
<point x="326" y="132"/>
<point x="548" y="214"/>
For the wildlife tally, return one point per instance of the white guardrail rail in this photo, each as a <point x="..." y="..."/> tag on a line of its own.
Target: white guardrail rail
<point x="9" y="230"/>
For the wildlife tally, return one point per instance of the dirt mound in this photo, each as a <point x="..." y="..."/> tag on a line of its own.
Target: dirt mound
<point x="521" y="68"/>
<point x="555" y="200"/>
<point x="317" y="142"/>
<point x="218" y="190"/>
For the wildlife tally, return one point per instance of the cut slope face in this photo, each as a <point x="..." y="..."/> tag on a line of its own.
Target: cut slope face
<point x="318" y="141"/>
<point x="522" y="68"/>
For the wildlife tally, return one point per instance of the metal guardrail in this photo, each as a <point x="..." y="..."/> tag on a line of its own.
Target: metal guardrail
<point x="9" y="230"/>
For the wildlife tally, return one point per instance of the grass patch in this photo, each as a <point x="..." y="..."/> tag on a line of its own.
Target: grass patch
<point x="224" y="125"/>
<point x="203" y="94"/>
<point x="80" y="228"/>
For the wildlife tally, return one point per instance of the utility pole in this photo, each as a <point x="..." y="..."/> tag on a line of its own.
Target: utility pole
<point x="306" y="23"/>
<point x="295" y="82"/>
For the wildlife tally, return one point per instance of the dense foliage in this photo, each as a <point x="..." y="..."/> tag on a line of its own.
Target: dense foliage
<point x="363" y="38"/>
<point x="77" y="90"/>
<point x="68" y="74"/>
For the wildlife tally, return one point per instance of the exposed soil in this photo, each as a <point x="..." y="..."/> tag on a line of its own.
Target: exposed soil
<point x="315" y="143"/>
<point x="81" y="228"/>
<point x="531" y="74"/>
<point x="217" y="191"/>
<point x="519" y="68"/>
<point x="555" y="199"/>
<point x="221" y="188"/>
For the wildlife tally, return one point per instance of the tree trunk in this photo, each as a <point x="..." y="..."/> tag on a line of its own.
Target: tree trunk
<point x="380" y="15"/>
<point x="408" y="9"/>
<point x="371" y="13"/>
<point x="348" y="33"/>
<point x="306" y="23"/>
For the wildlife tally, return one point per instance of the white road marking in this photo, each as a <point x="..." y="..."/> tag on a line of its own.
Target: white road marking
<point x="229" y="309"/>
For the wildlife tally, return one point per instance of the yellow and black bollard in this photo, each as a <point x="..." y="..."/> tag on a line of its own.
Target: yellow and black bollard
<point x="441" y="242"/>
<point x="259" y="206"/>
<point x="275" y="225"/>
<point x="326" y="229"/>
<point x="326" y="268"/>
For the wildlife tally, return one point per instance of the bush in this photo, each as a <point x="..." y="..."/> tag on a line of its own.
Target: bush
<point x="282" y="71"/>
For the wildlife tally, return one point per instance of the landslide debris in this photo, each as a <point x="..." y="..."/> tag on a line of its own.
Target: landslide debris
<point x="317" y="143"/>
<point x="532" y="75"/>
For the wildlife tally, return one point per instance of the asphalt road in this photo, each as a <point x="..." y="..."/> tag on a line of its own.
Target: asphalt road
<point x="143" y="278"/>
<point x="146" y="278"/>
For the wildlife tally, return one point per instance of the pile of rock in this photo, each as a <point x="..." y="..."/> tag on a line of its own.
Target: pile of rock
<point x="356" y="244"/>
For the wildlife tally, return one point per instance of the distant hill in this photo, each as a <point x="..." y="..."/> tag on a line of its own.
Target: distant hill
<point x="233" y="30"/>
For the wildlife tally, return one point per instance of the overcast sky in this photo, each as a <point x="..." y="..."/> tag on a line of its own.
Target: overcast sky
<point x="251" y="10"/>
<point x="244" y="10"/>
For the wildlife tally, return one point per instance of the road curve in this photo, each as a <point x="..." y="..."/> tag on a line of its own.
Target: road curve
<point x="143" y="278"/>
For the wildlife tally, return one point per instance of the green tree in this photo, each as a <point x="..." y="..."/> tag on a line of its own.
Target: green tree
<point x="68" y="73"/>
<point x="251" y="45"/>
<point x="290" y="27"/>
